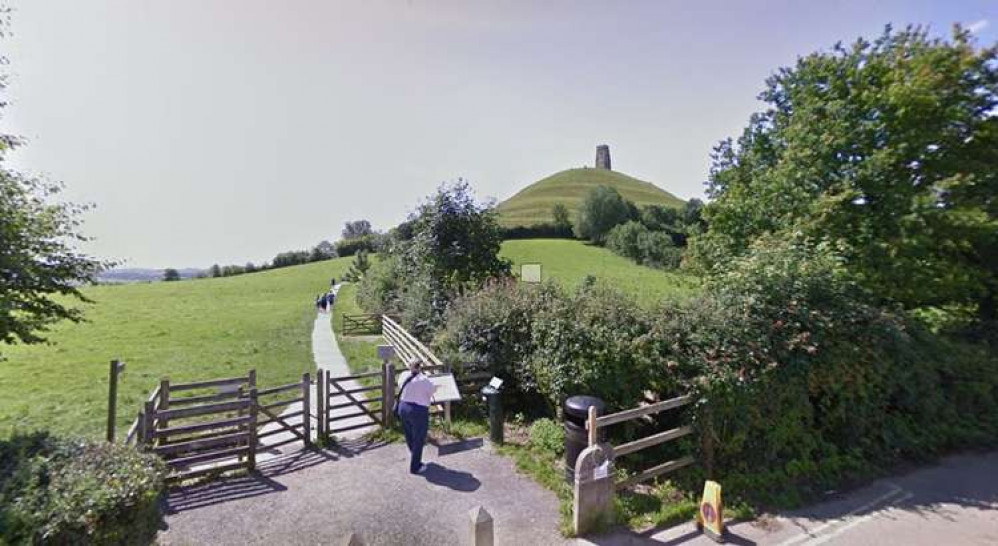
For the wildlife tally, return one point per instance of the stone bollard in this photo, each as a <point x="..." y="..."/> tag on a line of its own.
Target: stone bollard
<point x="594" y="488"/>
<point x="482" y="532"/>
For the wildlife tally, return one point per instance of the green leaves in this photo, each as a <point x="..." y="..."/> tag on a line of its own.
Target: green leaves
<point x="886" y="150"/>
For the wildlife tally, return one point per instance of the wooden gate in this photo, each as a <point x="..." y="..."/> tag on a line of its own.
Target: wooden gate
<point x="343" y="404"/>
<point x="221" y="424"/>
<point x="202" y="431"/>
<point x="289" y="427"/>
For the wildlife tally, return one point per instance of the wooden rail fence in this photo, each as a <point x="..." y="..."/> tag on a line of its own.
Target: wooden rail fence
<point x="594" y="423"/>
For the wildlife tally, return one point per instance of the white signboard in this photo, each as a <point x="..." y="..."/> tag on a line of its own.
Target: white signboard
<point x="495" y="383"/>
<point x="446" y="388"/>
<point x="530" y="273"/>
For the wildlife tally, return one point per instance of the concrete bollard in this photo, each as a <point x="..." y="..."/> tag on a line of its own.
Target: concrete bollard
<point x="594" y="488"/>
<point x="482" y="532"/>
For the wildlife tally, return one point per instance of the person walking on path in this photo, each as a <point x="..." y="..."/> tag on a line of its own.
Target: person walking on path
<point x="414" y="411"/>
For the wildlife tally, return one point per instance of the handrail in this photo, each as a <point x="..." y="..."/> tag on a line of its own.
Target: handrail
<point x="634" y="413"/>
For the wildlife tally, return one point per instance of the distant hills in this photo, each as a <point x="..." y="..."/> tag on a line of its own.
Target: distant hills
<point x="138" y="274"/>
<point x="532" y="205"/>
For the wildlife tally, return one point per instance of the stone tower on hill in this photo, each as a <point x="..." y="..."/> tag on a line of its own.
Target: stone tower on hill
<point x="603" y="157"/>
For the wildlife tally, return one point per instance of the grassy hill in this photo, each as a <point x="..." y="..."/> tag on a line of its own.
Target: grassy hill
<point x="568" y="262"/>
<point x="187" y="330"/>
<point x="533" y="204"/>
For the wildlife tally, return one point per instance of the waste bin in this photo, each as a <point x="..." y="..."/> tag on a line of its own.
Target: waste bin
<point x="576" y="412"/>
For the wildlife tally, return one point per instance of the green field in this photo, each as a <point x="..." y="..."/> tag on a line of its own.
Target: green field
<point x="533" y="204"/>
<point x="568" y="262"/>
<point x="187" y="330"/>
<point x="361" y="352"/>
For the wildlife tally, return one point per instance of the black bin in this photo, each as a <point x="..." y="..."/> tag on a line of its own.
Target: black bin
<point x="576" y="412"/>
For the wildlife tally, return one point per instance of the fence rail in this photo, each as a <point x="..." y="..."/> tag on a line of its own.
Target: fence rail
<point x="594" y="423"/>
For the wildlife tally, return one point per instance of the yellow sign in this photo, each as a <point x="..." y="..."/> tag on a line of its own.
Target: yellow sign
<point x="710" y="518"/>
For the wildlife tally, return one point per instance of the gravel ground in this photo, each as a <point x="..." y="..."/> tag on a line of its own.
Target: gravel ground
<point x="320" y="497"/>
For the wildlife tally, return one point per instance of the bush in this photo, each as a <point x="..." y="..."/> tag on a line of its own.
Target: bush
<point x="652" y="248"/>
<point x="492" y="328"/>
<point x="547" y="435"/>
<point x="371" y="242"/>
<point x="449" y="246"/>
<point x="60" y="491"/>
<point x="538" y="231"/>
<point x="602" y="209"/>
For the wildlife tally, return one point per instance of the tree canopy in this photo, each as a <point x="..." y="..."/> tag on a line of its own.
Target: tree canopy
<point x="888" y="150"/>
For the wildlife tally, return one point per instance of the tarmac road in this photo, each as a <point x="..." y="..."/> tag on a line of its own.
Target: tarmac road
<point x="952" y="503"/>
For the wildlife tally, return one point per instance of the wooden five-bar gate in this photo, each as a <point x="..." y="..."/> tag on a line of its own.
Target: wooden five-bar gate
<point x="222" y="424"/>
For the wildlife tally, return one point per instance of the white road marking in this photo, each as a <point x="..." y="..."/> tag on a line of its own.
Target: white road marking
<point x="853" y="523"/>
<point x="813" y="534"/>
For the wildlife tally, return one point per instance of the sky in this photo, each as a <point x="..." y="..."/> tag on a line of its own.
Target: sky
<point x="226" y="131"/>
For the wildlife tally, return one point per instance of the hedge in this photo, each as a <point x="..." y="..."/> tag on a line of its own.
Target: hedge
<point x="67" y="491"/>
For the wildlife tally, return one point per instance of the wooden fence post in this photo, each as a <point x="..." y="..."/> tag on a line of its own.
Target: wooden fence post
<point x="164" y="399"/>
<point x="112" y="399"/>
<point x="448" y="369"/>
<point x="388" y="394"/>
<point x="320" y="406"/>
<point x="306" y="391"/>
<point x="251" y="458"/>
<point x="148" y="419"/>
<point x="591" y="425"/>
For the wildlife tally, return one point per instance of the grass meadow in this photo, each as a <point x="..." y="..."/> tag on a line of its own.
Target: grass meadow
<point x="568" y="262"/>
<point x="187" y="330"/>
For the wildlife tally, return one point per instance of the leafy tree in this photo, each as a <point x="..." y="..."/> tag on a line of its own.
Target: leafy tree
<point x="562" y="219"/>
<point x="358" y="268"/>
<point x="602" y="209"/>
<point x="887" y="150"/>
<point x="449" y="244"/>
<point x="170" y="274"/>
<point x="249" y="267"/>
<point x="356" y="229"/>
<point x="215" y="270"/>
<point x="38" y="254"/>
<point x="323" y="251"/>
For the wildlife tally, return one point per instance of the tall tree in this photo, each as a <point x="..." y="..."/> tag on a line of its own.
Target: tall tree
<point x="356" y="229"/>
<point x="887" y="149"/>
<point x="602" y="209"/>
<point x="38" y="254"/>
<point x="170" y="274"/>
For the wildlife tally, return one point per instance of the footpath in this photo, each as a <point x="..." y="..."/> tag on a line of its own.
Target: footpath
<point x="320" y="496"/>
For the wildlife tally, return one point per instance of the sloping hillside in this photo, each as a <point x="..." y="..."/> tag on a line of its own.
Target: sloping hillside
<point x="533" y="204"/>
<point x="568" y="262"/>
<point x="186" y="330"/>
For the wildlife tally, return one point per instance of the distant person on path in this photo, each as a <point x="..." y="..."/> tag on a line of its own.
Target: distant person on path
<point x="318" y="302"/>
<point x="414" y="411"/>
<point x="330" y="299"/>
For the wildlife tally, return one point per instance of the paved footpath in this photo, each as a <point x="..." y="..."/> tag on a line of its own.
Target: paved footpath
<point x="319" y="497"/>
<point x="952" y="503"/>
<point x="327" y="356"/>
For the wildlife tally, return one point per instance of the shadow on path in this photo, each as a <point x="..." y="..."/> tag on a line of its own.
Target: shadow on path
<point x="451" y="479"/>
<point x="261" y="482"/>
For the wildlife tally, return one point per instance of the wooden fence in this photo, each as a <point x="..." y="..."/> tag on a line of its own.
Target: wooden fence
<point x="361" y="324"/>
<point x="202" y="427"/>
<point x="594" y="423"/>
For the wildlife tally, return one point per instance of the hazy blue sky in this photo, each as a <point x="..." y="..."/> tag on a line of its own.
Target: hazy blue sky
<point x="226" y="131"/>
